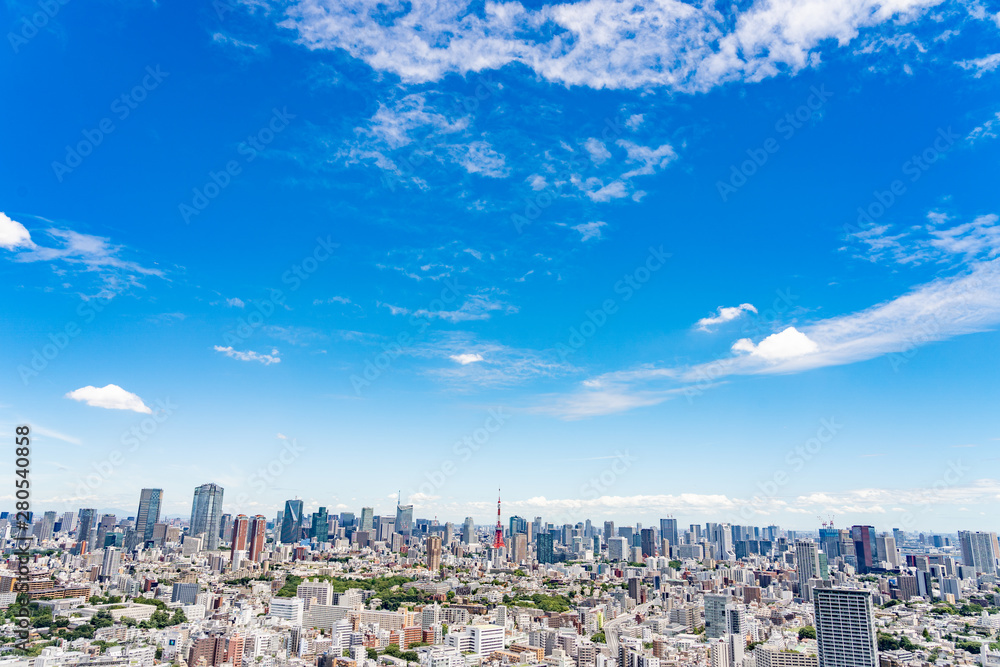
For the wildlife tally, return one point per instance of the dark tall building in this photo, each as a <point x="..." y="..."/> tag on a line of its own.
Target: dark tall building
<point x="668" y="532"/>
<point x="150" y="502"/>
<point x="347" y="519"/>
<point x="543" y="546"/>
<point x="206" y="514"/>
<point x="291" y="522"/>
<point x="86" y="516"/>
<point x="518" y="525"/>
<point x="258" y="536"/>
<point x="648" y="542"/>
<point x="829" y="541"/>
<point x="864" y="547"/>
<point x="320" y="524"/>
<point x="404" y="519"/>
<point x="108" y="522"/>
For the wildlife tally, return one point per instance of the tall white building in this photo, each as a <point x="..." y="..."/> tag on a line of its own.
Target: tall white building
<point x="845" y="628"/>
<point x="618" y="549"/>
<point x="979" y="550"/>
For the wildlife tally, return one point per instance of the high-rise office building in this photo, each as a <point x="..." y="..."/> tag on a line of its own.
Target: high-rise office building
<point x="518" y="525"/>
<point x="206" y="514"/>
<point x="226" y="528"/>
<point x="668" y="531"/>
<point x="544" y="548"/>
<point x="404" y="519"/>
<point x="864" y="547"/>
<point x="108" y="522"/>
<point x="67" y="524"/>
<point x="319" y="525"/>
<point x="111" y="563"/>
<point x="291" y="522"/>
<point x="979" y="550"/>
<point x="84" y="527"/>
<point x="886" y="551"/>
<point x="347" y="519"/>
<point x="469" y="530"/>
<point x="367" y="519"/>
<point x="519" y="547"/>
<point x="258" y="536"/>
<point x="150" y="502"/>
<point x="845" y="628"/>
<point x="433" y="553"/>
<point x="806" y="565"/>
<point x="48" y="524"/>
<point x="648" y="542"/>
<point x="715" y="615"/>
<point x="618" y="549"/>
<point x="241" y="533"/>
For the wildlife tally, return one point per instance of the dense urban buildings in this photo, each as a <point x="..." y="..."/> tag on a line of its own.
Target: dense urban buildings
<point x="312" y="588"/>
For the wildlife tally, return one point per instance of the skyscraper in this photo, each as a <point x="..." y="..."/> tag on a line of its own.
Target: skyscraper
<point x="318" y="530"/>
<point x="291" y="522"/>
<point x="648" y="542"/>
<point x="668" y="531"/>
<point x="241" y="532"/>
<point x="367" y="519"/>
<point x="85" y="526"/>
<point x="206" y="514"/>
<point x="150" y="501"/>
<point x="543" y="546"/>
<point x="979" y="550"/>
<point x="469" y="531"/>
<point x="48" y="522"/>
<point x="258" y="535"/>
<point x="845" y="628"/>
<point x="715" y="615"/>
<point x="806" y="565"/>
<point x="108" y="522"/>
<point x="864" y="547"/>
<point x="404" y="519"/>
<point x="433" y="553"/>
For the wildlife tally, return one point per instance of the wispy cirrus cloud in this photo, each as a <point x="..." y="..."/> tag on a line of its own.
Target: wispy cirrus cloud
<point x="250" y="355"/>
<point x="82" y="254"/>
<point x="964" y="302"/>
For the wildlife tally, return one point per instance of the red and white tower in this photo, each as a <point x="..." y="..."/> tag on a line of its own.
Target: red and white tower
<point x="498" y="536"/>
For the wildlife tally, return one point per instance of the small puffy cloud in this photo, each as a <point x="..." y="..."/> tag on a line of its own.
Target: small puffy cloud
<point x="466" y="358"/>
<point x="110" y="396"/>
<point x="537" y="182"/>
<point x="787" y="344"/>
<point x="250" y="355"/>
<point x="235" y="302"/>
<point x="598" y="151"/>
<point x="590" y="230"/>
<point x="725" y="314"/>
<point x="13" y="234"/>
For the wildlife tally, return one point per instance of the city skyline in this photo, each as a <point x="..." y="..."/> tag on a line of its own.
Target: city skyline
<point x="710" y="261"/>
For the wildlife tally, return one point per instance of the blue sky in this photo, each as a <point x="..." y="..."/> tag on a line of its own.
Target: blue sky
<point x="621" y="260"/>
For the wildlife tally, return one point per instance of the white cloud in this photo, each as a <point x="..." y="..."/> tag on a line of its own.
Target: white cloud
<point x="634" y="122"/>
<point x="981" y="66"/>
<point x="110" y="396"/>
<point x="598" y="151"/>
<point x="266" y="359"/>
<point x="725" y="314"/>
<point x="987" y="130"/>
<point x="595" y="43"/>
<point x="787" y="344"/>
<point x="235" y="302"/>
<point x="466" y="358"/>
<point x="650" y="159"/>
<point x="590" y="230"/>
<point x="480" y="158"/>
<point x="13" y="234"/>
<point x="476" y="307"/>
